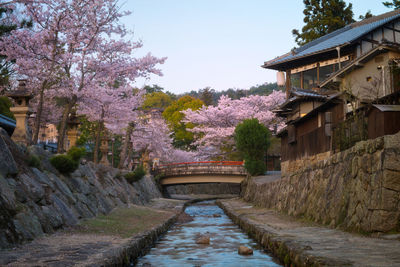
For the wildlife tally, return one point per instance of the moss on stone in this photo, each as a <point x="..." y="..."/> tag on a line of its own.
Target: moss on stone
<point x="124" y="222"/>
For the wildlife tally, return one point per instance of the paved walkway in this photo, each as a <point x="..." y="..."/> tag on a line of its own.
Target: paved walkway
<point x="90" y="247"/>
<point x="332" y="247"/>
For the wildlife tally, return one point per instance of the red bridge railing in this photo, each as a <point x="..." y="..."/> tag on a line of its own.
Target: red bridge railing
<point x="202" y="163"/>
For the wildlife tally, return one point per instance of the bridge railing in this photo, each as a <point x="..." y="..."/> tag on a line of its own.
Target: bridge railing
<point x="201" y="167"/>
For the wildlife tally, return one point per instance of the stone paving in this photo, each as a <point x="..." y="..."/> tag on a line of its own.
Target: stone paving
<point x="331" y="247"/>
<point x="73" y="248"/>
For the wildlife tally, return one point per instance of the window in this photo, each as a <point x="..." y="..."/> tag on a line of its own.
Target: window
<point x="310" y="79"/>
<point x="295" y="80"/>
<point x="325" y="72"/>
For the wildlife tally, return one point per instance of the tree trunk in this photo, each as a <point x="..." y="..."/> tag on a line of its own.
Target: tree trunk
<point x="63" y="124"/>
<point x="38" y="116"/>
<point x="97" y="143"/>
<point x="125" y="147"/>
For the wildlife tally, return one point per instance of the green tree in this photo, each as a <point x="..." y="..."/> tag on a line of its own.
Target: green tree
<point x="174" y="116"/>
<point x="5" y="105"/>
<point x="159" y="100"/>
<point x="366" y="16"/>
<point x="395" y="4"/>
<point x="6" y="26"/>
<point x="322" y="17"/>
<point x="206" y="95"/>
<point x="153" y="89"/>
<point x="252" y="140"/>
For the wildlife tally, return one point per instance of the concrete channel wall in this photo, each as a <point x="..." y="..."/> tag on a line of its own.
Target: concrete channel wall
<point x="356" y="190"/>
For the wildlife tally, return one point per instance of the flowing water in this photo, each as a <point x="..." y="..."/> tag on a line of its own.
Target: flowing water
<point x="178" y="247"/>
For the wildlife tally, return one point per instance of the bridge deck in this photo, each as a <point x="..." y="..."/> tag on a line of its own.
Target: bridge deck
<point x="202" y="172"/>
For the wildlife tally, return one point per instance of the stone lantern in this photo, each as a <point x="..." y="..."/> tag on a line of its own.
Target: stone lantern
<point x="21" y="111"/>
<point x="72" y="133"/>
<point x="104" y="151"/>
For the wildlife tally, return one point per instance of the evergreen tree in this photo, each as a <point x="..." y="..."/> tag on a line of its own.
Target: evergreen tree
<point x="366" y="16"/>
<point x="5" y="28"/>
<point x="392" y="4"/>
<point x="323" y="17"/>
<point x="206" y="95"/>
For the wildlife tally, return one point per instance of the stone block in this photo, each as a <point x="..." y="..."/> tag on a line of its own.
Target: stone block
<point x="27" y="225"/>
<point x="384" y="221"/>
<point x="392" y="141"/>
<point x="390" y="200"/>
<point x="391" y="180"/>
<point x="33" y="188"/>
<point x="7" y="196"/>
<point x="52" y="216"/>
<point x="391" y="160"/>
<point x="7" y="163"/>
<point x="67" y="214"/>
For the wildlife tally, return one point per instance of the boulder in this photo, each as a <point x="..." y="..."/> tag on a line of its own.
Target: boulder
<point x="7" y="162"/>
<point x="242" y="250"/>
<point x="7" y="197"/>
<point x="27" y="225"/>
<point x="203" y="240"/>
<point x="216" y="215"/>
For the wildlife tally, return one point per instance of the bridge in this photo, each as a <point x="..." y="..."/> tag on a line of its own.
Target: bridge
<point x="201" y="172"/>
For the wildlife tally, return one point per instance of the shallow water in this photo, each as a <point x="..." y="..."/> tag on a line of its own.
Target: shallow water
<point x="178" y="246"/>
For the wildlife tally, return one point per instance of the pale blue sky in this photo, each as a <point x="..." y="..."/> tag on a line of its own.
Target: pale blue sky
<point x="219" y="43"/>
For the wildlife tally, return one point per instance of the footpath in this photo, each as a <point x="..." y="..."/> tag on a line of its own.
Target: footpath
<point x="298" y="243"/>
<point x="116" y="239"/>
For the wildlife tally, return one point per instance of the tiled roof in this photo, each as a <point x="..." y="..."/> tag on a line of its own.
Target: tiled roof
<point x="306" y="93"/>
<point x="337" y="38"/>
<point x="301" y="95"/>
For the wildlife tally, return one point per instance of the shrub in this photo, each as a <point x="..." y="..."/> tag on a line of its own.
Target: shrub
<point x="76" y="153"/>
<point x="255" y="167"/>
<point x="64" y="163"/>
<point x="5" y="105"/>
<point x="34" y="161"/>
<point x="252" y="139"/>
<point x="136" y="175"/>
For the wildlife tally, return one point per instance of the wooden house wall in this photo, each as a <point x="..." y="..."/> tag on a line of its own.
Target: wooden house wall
<point x="310" y="139"/>
<point x="382" y="123"/>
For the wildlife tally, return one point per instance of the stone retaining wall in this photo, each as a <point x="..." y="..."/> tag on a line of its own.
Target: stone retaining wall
<point x="288" y="252"/>
<point x="137" y="247"/>
<point x="37" y="201"/>
<point x="356" y="190"/>
<point x="206" y="188"/>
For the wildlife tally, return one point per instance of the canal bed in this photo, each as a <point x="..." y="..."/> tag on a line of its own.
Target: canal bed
<point x="178" y="246"/>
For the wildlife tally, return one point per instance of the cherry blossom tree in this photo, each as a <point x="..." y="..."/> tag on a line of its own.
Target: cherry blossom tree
<point x="152" y="136"/>
<point x="113" y="109"/>
<point x="216" y="124"/>
<point x="74" y="47"/>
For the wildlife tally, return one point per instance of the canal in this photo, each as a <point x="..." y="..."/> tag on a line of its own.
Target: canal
<point x="178" y="246"/>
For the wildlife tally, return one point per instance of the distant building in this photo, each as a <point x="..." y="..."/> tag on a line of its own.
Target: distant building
<point x="48" y="133"/>
<point x="334" y="83"/>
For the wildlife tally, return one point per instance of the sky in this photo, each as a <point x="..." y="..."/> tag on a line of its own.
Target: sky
<point x="218" y="43"/>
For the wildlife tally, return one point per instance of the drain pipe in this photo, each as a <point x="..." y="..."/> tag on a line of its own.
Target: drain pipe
<point x="338" y="51"/>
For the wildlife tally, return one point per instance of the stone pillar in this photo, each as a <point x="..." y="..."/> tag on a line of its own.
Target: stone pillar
<point x="104" y="151"/>
<point x="72" y="133"/>
<point x="21" y="111"/>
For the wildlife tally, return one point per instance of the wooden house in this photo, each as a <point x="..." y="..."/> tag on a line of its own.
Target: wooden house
<point x="330" y="78"/>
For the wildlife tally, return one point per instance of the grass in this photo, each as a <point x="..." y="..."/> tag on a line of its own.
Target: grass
<point x="123" y="222"/>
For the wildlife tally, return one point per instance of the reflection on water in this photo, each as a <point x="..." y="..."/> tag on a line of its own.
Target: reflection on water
<point x="178" y="246"/>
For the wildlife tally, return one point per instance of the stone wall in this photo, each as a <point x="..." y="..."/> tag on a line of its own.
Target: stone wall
<point x="206" y="188"/>
<point x="33" y="201"/>
<point x="356" y="190"/>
